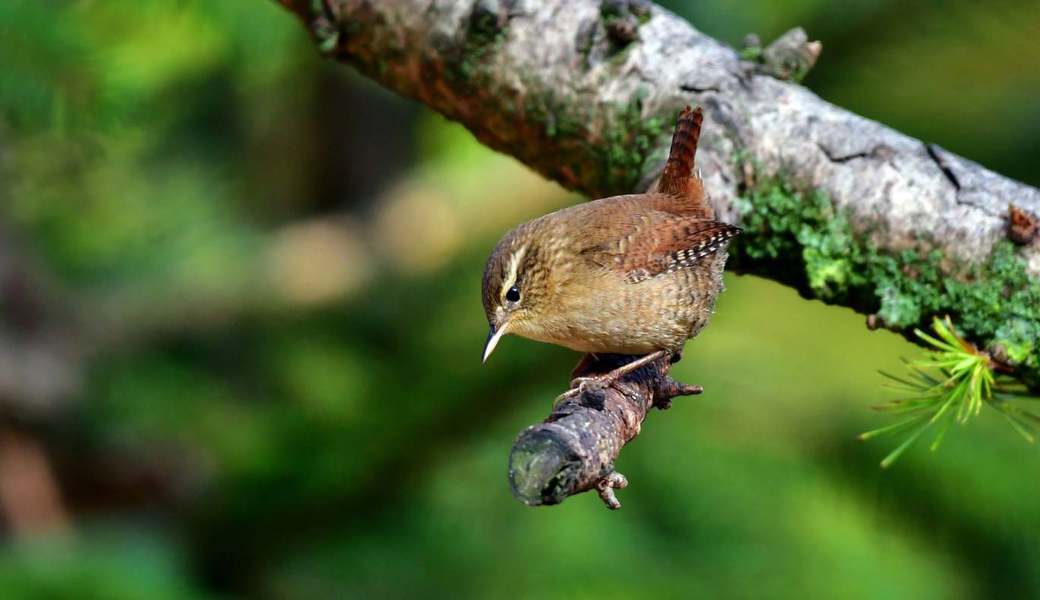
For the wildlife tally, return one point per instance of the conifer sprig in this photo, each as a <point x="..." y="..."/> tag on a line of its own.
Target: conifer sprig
<point x="951" y="383"/>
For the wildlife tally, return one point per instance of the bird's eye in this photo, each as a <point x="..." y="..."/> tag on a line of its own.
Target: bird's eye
<point x="513" y="295"/>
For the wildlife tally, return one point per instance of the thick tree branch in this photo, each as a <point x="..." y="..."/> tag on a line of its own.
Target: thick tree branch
<point x="586" y="93"/>
<point x="839" y="206"/>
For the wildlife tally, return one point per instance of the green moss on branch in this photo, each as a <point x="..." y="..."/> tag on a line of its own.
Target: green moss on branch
<point x="800" y="238"/>
<point x="599" y="157"/>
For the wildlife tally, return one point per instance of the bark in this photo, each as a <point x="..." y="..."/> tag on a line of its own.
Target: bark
<point x="843" y="208"/>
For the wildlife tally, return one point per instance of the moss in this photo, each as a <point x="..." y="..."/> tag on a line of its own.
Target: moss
<point x="751" y="53"/>
<point x="621" y="20"/>
<point x="556" y="119"/>
<point x="799" y="237"/>
<point x="599" y="157"/>
<point x="484" y="33"/>
<point x="323" y="28"/>
<point x="641" y="12"/>
<point x="472" y="56"/>
<point x="628" y="144"/>
<point x="1018" y="338"/>
<point x="486" y="24"/>
<point x="613" y="9"/>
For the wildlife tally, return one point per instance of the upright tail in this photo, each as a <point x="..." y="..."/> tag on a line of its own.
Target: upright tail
<point x="678" y="179"/>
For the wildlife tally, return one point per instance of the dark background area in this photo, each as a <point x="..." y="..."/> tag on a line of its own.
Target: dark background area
<point x="240" y="321"/>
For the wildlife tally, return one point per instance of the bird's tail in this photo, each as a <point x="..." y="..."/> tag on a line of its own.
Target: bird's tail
<point x="678" y="179"/>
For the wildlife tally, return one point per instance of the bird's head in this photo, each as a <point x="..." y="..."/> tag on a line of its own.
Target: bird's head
<point x="517" y="287"/>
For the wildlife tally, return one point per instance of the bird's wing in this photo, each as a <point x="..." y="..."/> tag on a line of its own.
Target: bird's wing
<point x="654" y="242"/>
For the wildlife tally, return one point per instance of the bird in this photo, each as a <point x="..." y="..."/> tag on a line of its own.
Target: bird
<point x="636" y="274"/>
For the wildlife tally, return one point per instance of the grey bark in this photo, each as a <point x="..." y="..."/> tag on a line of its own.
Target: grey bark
<point x="585" y="92"/>
<point x="901" y="188"/>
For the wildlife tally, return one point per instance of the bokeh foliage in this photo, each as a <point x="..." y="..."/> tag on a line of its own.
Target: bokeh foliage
<point x="277" y="268"/>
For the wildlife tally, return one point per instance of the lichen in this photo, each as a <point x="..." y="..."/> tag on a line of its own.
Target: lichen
<point x="800" y="237"/>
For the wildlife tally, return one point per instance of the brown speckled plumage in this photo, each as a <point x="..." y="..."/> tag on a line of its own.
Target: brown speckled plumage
<point x="628" y="274"/>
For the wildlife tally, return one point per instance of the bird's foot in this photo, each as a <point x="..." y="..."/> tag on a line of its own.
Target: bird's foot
<point x="627" y="368"/>
<point x="581" y="385"/>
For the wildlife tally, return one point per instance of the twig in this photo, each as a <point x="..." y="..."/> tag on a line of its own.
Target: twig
<point x="574" y="450"/>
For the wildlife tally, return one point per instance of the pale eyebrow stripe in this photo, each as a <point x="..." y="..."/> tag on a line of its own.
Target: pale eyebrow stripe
<point x="511" y="270"/>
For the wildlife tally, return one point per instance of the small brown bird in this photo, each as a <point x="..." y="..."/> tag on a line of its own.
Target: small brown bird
<point x="635" y="274"/>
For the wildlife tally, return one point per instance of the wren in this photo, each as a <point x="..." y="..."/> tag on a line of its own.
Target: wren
<point x="636" y="274"/>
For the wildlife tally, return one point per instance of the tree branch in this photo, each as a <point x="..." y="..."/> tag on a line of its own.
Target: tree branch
<point x="589" y="102"/>
<point x="574" y="450"/>
<point x="840" y="207"/>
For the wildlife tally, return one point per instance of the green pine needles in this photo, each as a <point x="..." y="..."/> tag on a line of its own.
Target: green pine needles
<point x="950" y="384"/>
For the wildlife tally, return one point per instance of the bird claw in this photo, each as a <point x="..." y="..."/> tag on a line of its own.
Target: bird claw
<point x="605" y="488"/>
<point x="563" y="397"/>
<point x="581" y="385"/>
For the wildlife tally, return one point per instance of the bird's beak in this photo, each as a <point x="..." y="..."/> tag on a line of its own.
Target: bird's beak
<point x="494" y="335"/>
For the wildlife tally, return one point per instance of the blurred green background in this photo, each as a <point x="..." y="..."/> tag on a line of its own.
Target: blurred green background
<point x="240" y="321"/>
